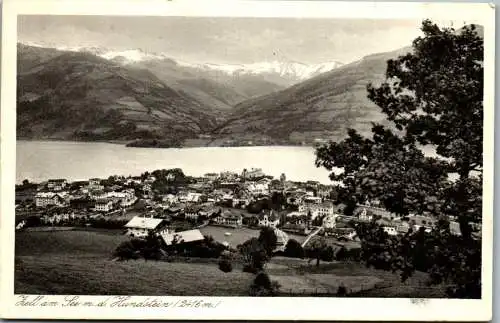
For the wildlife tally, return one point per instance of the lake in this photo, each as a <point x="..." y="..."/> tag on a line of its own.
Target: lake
<point x="41" y="160"/>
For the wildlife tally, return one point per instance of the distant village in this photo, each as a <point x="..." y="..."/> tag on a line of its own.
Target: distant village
<point x="176" y="205"/>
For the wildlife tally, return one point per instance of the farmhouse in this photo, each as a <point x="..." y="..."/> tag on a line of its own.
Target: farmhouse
<point x="182" y="237"/>
<point x="141" y="226"/>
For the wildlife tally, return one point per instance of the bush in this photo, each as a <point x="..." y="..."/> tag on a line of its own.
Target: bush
<point x="341" y="291"/>
<point x="294" y="249"/>
<point x="225" y="265"/>
<point x="250" y="269"/>
<point x="354" y="254"/>
<point x="327" y="254"/>
<point x="341" y="254"/>
<point x="263" y="286"/>
<point x="126" y="250"/>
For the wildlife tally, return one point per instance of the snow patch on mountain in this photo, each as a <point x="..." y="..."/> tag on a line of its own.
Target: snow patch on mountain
<point x="292" y="70"/>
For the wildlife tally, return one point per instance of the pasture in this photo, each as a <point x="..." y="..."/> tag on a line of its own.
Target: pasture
<point x="237" y="235"/>
<point x="79" y="262"/>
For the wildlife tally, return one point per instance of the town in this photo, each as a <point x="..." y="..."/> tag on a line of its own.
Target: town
<point x="168" y="201"/>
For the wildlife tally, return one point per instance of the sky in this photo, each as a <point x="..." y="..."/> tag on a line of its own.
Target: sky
<point x="225" y="40"/>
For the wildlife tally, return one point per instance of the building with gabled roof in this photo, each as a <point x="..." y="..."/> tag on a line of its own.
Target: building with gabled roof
<point x="188" y="236"/>
<point x="142" y="226"/>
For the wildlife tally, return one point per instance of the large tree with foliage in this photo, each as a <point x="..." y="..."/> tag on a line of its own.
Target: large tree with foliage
<point x="432" y="96"/>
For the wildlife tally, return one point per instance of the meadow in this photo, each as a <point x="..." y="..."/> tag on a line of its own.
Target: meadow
<point x="79" y="262"/>
<point x="237" y="236"/>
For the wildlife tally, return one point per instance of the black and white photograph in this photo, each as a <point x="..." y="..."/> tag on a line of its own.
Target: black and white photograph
<point x="339" y="158"/>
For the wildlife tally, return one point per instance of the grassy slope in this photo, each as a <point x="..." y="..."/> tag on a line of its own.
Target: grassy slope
<point x="330" y="102"/>
<point x="78" y="262"/>
<point x="76" y="91"/>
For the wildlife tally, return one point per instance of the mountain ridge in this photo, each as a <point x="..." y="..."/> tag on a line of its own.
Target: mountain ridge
<point x="291" y="70"/>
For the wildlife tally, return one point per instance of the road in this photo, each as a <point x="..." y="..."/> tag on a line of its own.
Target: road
<point x="315" y="232"/>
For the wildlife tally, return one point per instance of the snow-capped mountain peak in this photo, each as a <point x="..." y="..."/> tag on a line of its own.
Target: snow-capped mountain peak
<point x="294" y="71"/>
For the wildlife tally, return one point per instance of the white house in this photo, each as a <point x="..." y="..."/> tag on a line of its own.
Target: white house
<point x="258" y="188"/>
<point x="56" y="184"/>
<point x="95" y="183"/>
<point x="141" y="226"/>
<point x="126" y="197"/>
<point x="228" y="176"/>
<point x="270" y="220"/>
<point x="170" y="199"/>
<point x="329" y="221"/>
<point x="193" y="197"/>
<point x="253" y="173"/>
<point x="312" y="199"/>
<point x="44" y="199"/>
<point x="211" y="176"/>
<point x="229" y="219"/>
<point x="104" y="205"/>
<point x="192" y="212"/>
<point x="390" y="230"/>
<point x="317" y="210"/>
<point x="365" y="216"/>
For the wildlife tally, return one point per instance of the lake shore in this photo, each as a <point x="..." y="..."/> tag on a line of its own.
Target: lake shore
<point x="76" y="160"/>
<point x="189" y="143"/>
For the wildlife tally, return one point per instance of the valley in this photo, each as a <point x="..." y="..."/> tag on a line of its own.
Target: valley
<point x="149" y="100"/>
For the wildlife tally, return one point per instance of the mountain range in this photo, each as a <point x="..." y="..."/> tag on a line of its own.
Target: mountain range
<point x="98" y="94"/>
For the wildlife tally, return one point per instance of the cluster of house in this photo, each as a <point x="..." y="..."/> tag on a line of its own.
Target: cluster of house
<point x="394" y="225"/>
<point x="91" y="194"/>
<point x="141" y="227"/>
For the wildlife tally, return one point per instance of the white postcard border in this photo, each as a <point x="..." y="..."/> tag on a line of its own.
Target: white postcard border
<point x="240" y="307"/>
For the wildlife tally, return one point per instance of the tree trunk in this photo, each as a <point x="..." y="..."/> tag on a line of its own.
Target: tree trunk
<point x="317" y="262"/>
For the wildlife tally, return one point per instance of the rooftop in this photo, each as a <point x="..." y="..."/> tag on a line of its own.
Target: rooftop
<point x="143" y="223"/>
<point x="183" y="236"/>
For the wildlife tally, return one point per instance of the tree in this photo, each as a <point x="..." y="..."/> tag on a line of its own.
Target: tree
<point x="431" y="96"/>
<point x="435" y="95"/>
<point x="254" y="255"/>
<point x="315" y="249"/>
<point x="278" y="201"/>
<point x="152" y="248"/>
<point x="225" y="262"/>
<point x="268" y="240"/>
<point x="125" y="251"/>
<point x="294" y="249"/>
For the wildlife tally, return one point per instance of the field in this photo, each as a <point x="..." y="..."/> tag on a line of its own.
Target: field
<point x="79" y="262"/>
<point x="237" y="236"/>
